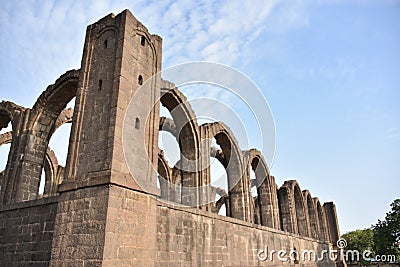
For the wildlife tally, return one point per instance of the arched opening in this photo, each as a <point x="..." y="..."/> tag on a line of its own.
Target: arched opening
<point x="230" y="157"/>
<point x="59" y="142"/>
<point x="44" y="119"/>
<point x="292" y="210"/>
<point x="263" y="190"/>
<point x="167" y="141"/>
<point x="255" y="196"/>
<point x="5" y="146"/>
<point x="323" y="231"/>
<point x="4" y="151"/>
<point x="186" y="134"/>
<point x="42" y="183"/>
<point x="168" y="144"/>
<point x="285" y="211"/>
<point x="300" y="211"/>
<point x="312" y="216"/>
<point x="56" y="156"/>
<point x="169" y="179"/>
<point x="7" y="113"/>
<point x="164" y="181"/>
<point x="219" y="179"/>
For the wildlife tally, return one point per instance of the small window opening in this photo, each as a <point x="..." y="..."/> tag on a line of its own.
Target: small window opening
<point x="105" y="43"/>
<point x="142" y="40"/>
<point x="100" y="84"/>
<point x="137" y="123"/>
<point x="140" y="80"/>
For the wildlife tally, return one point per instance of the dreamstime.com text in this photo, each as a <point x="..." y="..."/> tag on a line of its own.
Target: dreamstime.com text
<point x="340" y="254"/>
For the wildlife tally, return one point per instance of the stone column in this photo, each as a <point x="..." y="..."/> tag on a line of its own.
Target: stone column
<point x="104" y="217"/>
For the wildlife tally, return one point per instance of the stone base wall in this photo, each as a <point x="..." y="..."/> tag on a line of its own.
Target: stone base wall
<point x="144" y="231"/>
<point x="80" y="227"/>
<point x="131" y="228"/>
<point x="26" y="232"/>
<point x="110" y="225"/>
<point x="191" y="237"/>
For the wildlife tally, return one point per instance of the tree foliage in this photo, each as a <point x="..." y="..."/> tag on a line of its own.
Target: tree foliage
<point x="360" y="240"/>
<point x="382" y="238"/>
<point x="387" y="232"/>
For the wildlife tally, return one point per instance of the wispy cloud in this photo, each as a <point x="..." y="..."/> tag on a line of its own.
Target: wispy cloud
<point x="213" y="31"/>
<point x="44" y="40"/>
<point x="393" y="133"/>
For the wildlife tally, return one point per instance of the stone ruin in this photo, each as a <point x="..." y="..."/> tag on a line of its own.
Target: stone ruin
<point x="93" y="213"/>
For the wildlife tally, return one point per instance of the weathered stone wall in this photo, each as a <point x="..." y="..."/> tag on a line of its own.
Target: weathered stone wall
<point x="191" y="237"/>
<point x="142" y="230"/>
<point x="111" y="225"/>
<point x="26" y="232"/>
<point x="131" y="231"/>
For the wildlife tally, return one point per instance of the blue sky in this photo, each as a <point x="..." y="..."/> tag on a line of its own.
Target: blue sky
<point x="330" y="71"/>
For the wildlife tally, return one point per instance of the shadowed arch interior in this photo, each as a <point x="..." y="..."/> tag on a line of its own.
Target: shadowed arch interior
<point x="312" y="215"/>
<point x="266" y="202"/>
<point x="301" y="215"/>
<point x="323" y="226"/>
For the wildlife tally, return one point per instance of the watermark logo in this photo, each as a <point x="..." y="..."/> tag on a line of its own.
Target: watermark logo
<point x="221" y="94"/>
<point x="341" y="243"/>
<point x="329" y="254"/>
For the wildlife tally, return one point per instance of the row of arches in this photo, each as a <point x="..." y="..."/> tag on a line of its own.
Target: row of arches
<point x="255" y="199"/>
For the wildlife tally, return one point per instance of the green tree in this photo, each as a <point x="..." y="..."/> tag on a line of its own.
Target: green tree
<point x="360" y="240"/>
<point x="387" y="232"/>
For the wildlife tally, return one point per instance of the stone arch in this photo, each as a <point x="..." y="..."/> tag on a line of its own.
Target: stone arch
<point x="8" y="113"/>
<point x="312" y="215"/>
<point x="285" y="210"/>
<point x="322" y="223"/>
<point x="6" y="138"/>
<point x="53" y="173"/>
<point x="239" y="193"/>
<point x="171" y="189"/>
<point x="40" y="126"/>
<point x="223" y="200"/>
<point x="167" y="124"/>
<point x="53" y="100"/>
<point x="188" y="138"/>
<point x="266" y="189"/>
<point x="163" y="169"/>
<point x="51" y="168"/>
<point x="65" y="116"/>
<point x="166" y="176"/>
<point x="292" y="209"/>
<point x="301" y="211"/>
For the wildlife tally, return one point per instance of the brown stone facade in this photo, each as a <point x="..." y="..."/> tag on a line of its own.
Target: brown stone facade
<point x="93" y="213"/>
